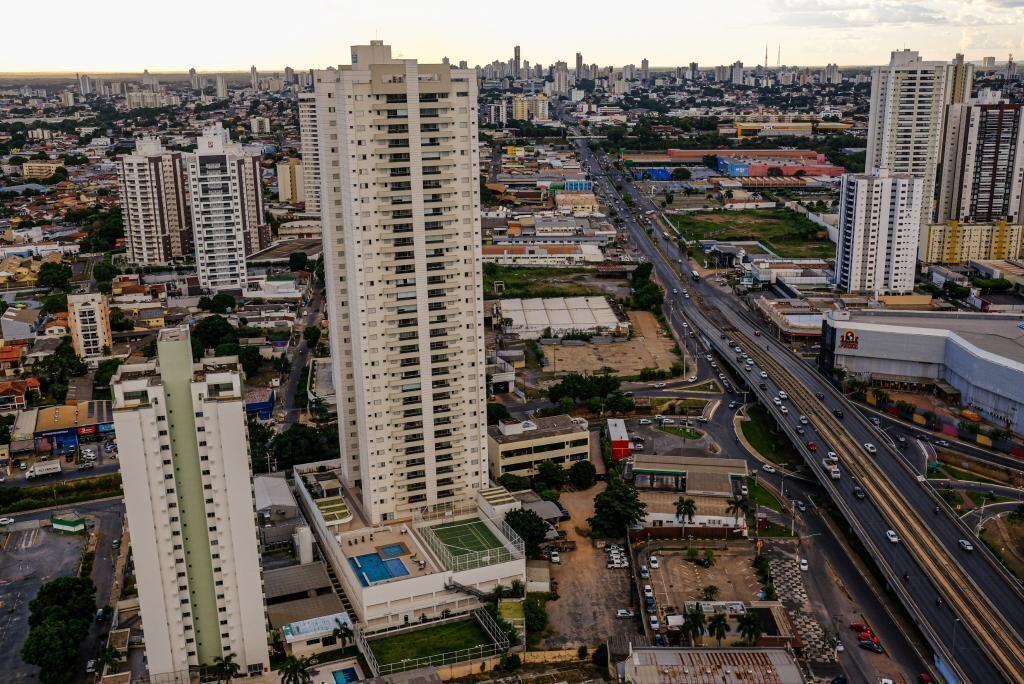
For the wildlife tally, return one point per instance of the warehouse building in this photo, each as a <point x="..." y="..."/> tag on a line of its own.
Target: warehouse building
<point x="530" y="318"/>
<point x="974" y="359"/>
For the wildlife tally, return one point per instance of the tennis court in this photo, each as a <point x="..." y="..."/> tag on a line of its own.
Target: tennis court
<point x="467" y="537"/>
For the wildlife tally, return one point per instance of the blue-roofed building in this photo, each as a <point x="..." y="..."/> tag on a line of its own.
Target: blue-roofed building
<point x="259" y="402"/>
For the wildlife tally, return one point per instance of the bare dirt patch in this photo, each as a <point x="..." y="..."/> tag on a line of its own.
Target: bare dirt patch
<point x="649" y="348"/>
<point x="1007" y="538"/>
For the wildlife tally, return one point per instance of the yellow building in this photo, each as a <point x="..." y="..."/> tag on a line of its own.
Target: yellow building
<point x="40" y="169"/>
<point x="520" y="108"/>
<point x="518" y="447"/>
<point x="954" y="242"/>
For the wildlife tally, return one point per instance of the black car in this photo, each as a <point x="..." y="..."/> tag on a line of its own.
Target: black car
<point x="870" y="646"/>
<point x="858" y="493"/>
<point x="838" y="413"/>
<point x="762" y="385"/>
<point x="819" y="395"/>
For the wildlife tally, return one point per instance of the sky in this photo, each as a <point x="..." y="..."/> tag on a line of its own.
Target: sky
<point x="230" y="35"/>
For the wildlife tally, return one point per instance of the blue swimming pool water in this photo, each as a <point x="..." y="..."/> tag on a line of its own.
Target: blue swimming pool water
<point x="370" y="567"/>
<point x="391" y="550"/>
<point x="345" y="676"/>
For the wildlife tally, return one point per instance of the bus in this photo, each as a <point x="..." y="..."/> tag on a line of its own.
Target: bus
<point x="695" y="276"/>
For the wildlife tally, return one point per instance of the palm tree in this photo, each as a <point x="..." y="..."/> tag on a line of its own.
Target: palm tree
<point x="686" y="508"/>
<point x="293" y="670"/>
<point x="226" y="668"/>
<point x="342" y="633"/>
<point x="694" y="624"/>
<point x="734" y="507"/>
<point x="718" y="627"/>
<point x="750" y="628"/>
<point x="711" y="592"/>
<point x="108" y="660"/>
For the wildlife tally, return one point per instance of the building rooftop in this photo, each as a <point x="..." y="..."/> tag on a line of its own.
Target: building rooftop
<point x="295" y="579"/>
<point x="271" y="490"/>
<point x="535" y="428"/>
<point x="700" y="665"/>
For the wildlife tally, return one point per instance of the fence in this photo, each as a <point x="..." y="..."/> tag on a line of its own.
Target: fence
<point x="512" y="546"/>
<point x="500" y="644"/>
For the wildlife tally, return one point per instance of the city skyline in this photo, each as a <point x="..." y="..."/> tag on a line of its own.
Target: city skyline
<point x="809" y="32"/>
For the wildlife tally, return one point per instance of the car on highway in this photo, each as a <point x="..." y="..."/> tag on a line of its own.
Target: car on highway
<point x="654" y="563"/>
<point x="675" y="291"/>
<point x="875" y="421"/>
<point x="858" y="493"/>
<point x="6" y="521"/>
<point x="768" y="468"/>
<point x="644" y="572"/>
<point x="648" y="592"/>
<point x="783" y="395"/>
<point x="785" y="411"/>
<point x="870" y="646"/>
<point x="819" y="395"/>
<point x="757" y="333"/>
<point x="762" y="385"/>
<point x="838" y="413"/>
<point x="645" y="421"/>
<point x="658" y="385"/>
<point x="801" y="506"/>
<point x="692" y="378"/>
<point x="708" y="357"/>
<point x="764" y="374"/>
<point x="803" y="565"/>
<point x="803" y="420"/>
<point x="966" y="545"/>
<point x="870" y="448"/>
<point x="668" y="421"/>
<point x="800" y="430"/>
<point x="941" y="443"/>
<point x="892" y="537"/>
<point x="624" y="614"/>
<point x="721" y="376"/>
<point x="776" y="401"/>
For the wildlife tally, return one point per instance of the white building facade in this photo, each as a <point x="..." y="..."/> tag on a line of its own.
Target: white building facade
<point x="310" y="152"/>
<point x="401" y="223"/>
<point x="154" y="204"/>
<point x="188" y="496"/>
<point x="879" y="224"/>
<point x="89" y="319"/>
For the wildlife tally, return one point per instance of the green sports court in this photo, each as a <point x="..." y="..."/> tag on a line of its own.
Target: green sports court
<point x="465" y="537"/>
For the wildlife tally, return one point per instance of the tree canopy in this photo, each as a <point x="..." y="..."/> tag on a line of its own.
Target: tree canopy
<point x="59" y="619"/>
<point x="54" y="276"/>
<point x="616" y="509"/>
<point x="530" y="527"/>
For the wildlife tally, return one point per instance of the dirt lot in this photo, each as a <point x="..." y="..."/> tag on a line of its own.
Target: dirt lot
<point x="678" y="580"/>
<point x="649" y="348"/>
<point x="1007" y="537"/>
<point x="590" y="593"/>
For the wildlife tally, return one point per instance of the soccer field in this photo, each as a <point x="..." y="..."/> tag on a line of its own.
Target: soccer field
<point x="466" y="536"/>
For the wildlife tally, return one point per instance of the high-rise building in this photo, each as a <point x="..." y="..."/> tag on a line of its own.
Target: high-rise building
<point x="291" y="181"/>
<point x="226" y="199"/>
<point x="879" y="224"/>
<point x="988" y="62"/>
<point x="516" y="63"/>
<point x="953" y="242"/>
<point x="89" y="320"/>
<point x="188" y="497"/>
<point x="67" y="98"/>
<point x="84" y="85"/>
<point x="310" y="151"/>
<point x="645" y="70"/>
<point x="982" y="171"/>
<point x="831" y="75"/>
<point x="561" y="79"/>
<point x="154" y="204"/>
<point x="221" y="86"/>
<point x="736" y="73"/>
<point x="520" y="107"/>
<point x="259" y="125"/>
<point x="193" y="79"/>
<point x="254" y="78"/>
<point x="908" y="109"/>
<point x="539" y="107"/>
<point x="401" y="213"/>
<point x="580" y="71"/>
<point x="694" y="71"/>
<point x="289" y="75"/>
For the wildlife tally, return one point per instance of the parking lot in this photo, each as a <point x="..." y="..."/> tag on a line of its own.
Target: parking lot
<point x="91" y="459"/>
<point x="589" y="592"/>
<point x="29" y="558"/>
<point x="678" y="580"/>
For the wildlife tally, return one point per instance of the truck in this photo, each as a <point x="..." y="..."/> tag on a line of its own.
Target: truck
<point x="41" y="469"/>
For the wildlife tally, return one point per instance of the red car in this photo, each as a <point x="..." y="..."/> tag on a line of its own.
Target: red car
<point x="812" y="446"/>
<point x="757" y="333"/>
<point x="858" y="626"/>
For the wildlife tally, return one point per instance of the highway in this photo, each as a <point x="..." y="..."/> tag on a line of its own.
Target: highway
<point x="981" y="637"/>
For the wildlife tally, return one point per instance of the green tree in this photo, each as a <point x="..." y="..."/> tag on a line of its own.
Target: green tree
<point x="295" y="670"/>
<point x="105" y="371"/>
<point x="710" y="592"/>
<point x="54" y="304"/>
<point x="685" y="508"/>
<point x="109" y="660"/>
<point x="342" y="632"/>
<point x="709" y="557"/>
<point x="250" y="359"/>
<point x="219" y="303"/>
<point x="536" y="617"/>
<point x="53" y="647"/>
<point x="749" y="627"/>
<point x="312" y="335"/>
<point x="301" y="444"/>
<point x="209" y="332"/>
<point x="54" y="276"/>
<point x="514" y="483"/>
<point x="736" y="506"/>
<point x="259" y="441"/>
<point x="680" y="173"/>
<point x="693" y="624"/>
<point x="616" y="509"/>
<point x="582" y="475"/>
<point x="298" y="261"/>
<point x="550" y="475"/>
<point x="718" y="627"/>
<point x="54" y="371"/>
<point x="530" y="527"/>
<point x="496" y="412"/>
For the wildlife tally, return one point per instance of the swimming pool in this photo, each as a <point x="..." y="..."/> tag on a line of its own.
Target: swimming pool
<point x="370" y="567"/>
<point x="345" y="676"/>
<point x="391" y="550"/>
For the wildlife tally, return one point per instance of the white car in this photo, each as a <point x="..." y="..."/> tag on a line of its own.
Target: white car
<point x="6" y="521"/>
<point x="668" y="421"/>
<point x="655" y="625"/>
<point x="648" y="592"/>
<point x="555" y="558"/>
<point x="964" y="544"/>
<point x="763" y="374"/>
<point x="624" y="613"/>
<point x="654" y="562"/>
<point x="891" y="536"/>
<point x="692" y="378"/>
<point x="803" y="420"/>
<point x="784" y="410"/>
<point x="768" y="468"/>
<point x="803" y="564"/>
<point x="870" y="448"/>
<point x="659" y="385"/>
<point x="645" y="421"/>
<point x="776" y="401"/>
<point x="708" y="357"/>
<point x="721" y="376"/>
<point x="783" y="395"/>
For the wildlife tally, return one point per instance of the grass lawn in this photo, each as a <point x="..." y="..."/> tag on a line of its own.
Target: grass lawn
<point x="423" y="643"/>
<point x="762" y="497"/>
<point x="684" y="432"/>
<point x="958" y="474"/>
<point x="980" y="499"/>
<point x="759" y="430"/>
<point x="783" y="231"/>
<point x="538" y="282"/>
<point x="774" y="530"/>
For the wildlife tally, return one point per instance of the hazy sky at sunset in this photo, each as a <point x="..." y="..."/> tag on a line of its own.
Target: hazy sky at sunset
<point x="129" y="35"/>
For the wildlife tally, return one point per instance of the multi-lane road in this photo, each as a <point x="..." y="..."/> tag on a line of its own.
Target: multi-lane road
<point x="982" y="642"/>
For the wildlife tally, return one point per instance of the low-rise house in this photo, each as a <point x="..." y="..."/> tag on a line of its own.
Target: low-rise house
<point x="20" y="323"/>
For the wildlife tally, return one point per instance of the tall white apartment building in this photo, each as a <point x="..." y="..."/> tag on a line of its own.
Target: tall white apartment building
<point x="226" y="203"/>
<point x="259" y="125"/>
<point x="89" y="320"/>
<point x="908" y="109"/>
<point x="154" y="204"/>
<point x="879" y="224"/>
<point x="221" y="86"/>
<point x="310" y="152"/>
<point x="189" y="500"/>
<point x="401" y="224"/>
<point x="561" y="84"/>
<point x="982" y="176"/>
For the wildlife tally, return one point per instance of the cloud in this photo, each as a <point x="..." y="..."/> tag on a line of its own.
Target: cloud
<point x="838" y="14"/>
